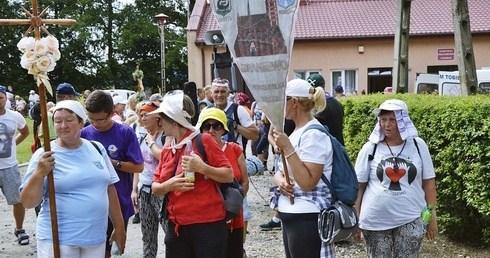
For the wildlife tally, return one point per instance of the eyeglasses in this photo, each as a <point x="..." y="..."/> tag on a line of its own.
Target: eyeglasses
<point x="219" y="80"/>
<point x="99" y="121"/>
<point x="215" y="126"/>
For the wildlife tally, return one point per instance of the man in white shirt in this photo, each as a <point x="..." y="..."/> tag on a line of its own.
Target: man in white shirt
<point x="10" y="181"/>
<point x="33" y="98"/>
<point x="241" y="126"/>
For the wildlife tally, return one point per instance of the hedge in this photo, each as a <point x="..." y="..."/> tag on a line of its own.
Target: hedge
<point x="457" y="131"/>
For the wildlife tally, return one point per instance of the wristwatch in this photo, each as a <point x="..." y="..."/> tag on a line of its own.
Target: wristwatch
<point x="118" y="164"/>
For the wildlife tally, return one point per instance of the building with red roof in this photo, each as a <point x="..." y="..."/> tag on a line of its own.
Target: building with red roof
<point x="351" y="42"/>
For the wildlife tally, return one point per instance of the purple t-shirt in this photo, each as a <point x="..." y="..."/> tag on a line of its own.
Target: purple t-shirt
<point x="121" y="144"/>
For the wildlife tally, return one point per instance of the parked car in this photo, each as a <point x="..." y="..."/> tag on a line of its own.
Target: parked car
<point x="121" y="92"/>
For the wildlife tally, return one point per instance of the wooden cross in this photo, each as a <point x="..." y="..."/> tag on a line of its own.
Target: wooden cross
<point x="37" y="23"/>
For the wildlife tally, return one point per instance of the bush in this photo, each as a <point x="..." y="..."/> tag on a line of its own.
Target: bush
<point x="457" y="131"/>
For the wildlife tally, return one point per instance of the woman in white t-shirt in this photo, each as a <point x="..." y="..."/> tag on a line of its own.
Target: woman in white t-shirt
<point x="305" y="166"/>
<point x="396" y="182"/>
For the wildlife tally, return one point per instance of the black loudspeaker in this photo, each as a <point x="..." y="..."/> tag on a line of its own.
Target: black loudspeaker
<point x="190" y="89"/>
<point x="223" y="60"/>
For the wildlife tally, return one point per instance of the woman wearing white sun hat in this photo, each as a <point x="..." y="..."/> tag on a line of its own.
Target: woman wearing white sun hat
<point x="396" y="182"/>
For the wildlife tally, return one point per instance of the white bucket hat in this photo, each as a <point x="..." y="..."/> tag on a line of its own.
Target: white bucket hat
<point x="172" y="106"/>
<point x="406" y="128"/>
<point x="391" y="105"/>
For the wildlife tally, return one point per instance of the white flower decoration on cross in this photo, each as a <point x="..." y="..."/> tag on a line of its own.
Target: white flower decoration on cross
<point x="39" y="57"/>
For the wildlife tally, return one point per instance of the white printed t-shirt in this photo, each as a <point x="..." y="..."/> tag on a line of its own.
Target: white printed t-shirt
<point x="10" y="122"/>
<point x="391" y="198"/>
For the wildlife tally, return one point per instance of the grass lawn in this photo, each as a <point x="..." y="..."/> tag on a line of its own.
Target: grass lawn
<point x="24" y="148"/>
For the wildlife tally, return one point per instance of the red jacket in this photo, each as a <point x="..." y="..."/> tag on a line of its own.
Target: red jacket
<point x="203" y="204"/>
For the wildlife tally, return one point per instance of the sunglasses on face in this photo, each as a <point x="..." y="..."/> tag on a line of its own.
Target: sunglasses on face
<point x="215" y="126"/>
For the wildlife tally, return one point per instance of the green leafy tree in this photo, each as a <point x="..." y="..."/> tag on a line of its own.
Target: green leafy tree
<point x="104" y="47"/>
<point x="10" y="70"/>
<point x="140" y="42"/>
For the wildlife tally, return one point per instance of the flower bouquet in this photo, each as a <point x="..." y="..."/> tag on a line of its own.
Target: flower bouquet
<point x="138" y="75"/>
<point x="39" y="57"/>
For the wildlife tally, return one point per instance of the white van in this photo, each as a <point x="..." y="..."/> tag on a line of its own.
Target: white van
<point x="426" y="83"/>
<point x="447" y="83"/>
<point x="120" y="92"/>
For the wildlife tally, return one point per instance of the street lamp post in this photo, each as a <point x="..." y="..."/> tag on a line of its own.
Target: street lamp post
<point x="161" y="27"/>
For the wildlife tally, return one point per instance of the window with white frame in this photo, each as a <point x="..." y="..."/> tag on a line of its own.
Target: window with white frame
<point x="346" y="78"/>
<point x="305" y="74"/>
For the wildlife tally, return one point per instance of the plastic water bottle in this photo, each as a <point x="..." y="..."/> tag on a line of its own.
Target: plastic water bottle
<point x="426" y="214"/>
<point x="189" y="152"/>
<point x="114" y="250"/>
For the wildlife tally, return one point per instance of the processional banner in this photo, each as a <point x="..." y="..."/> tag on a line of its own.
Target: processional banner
<point x="259" y="35"/>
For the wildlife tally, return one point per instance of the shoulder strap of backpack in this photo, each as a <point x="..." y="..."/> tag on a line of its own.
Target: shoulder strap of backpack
<point x="324" y="130"/>
<point x="416" y="146"/>
<point x="371" y="156"/>
<point x="418" y="150"/>
<point x="232" y="115"/>
<point x="321" y="128"/>
<point x="96" y="146"/>
<point x="235" y="112"/>
<point x="200" y="148"/>
<point x="330" y="186"/>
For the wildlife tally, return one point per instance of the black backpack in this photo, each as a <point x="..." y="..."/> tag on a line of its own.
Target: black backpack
<point x="231" y="119"/>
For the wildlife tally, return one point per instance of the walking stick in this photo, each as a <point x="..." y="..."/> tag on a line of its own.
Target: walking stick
<point x="291" y="199"/>
<point x="47" y="147"/>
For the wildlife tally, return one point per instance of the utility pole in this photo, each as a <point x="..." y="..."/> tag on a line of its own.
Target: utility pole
<point x="400" y="55"/>
<point x="464" y="47"/>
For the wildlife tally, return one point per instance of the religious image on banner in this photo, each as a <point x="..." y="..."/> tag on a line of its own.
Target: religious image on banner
<point x="259" y="35"/>
<point x="259" y="32"/>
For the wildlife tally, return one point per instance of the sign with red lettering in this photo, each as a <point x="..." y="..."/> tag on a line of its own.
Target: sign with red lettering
<point x="445" y="54"/>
